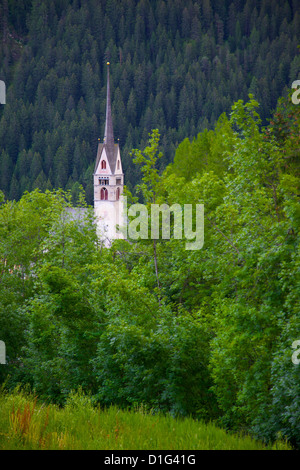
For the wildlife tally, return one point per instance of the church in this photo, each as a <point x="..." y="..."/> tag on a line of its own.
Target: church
<point x="108" y="185"/>
<point x="108" y="180"/>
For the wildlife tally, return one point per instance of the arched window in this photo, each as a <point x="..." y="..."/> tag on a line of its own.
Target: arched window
<point x="118" y="165"/>
<point x="118" y="194"/>
<point x="104" y="194"/>
<point x="103" y="165"/>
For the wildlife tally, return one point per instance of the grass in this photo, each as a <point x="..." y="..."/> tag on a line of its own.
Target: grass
<point x="27" y="424"/>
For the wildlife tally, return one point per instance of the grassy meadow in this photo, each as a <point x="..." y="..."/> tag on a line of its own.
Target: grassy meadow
<point x="26" y="423"/>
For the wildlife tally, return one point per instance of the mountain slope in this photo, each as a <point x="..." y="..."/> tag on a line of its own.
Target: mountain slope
<point x="176" y="65"/>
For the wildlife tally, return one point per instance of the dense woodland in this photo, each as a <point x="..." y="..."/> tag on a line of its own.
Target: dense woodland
<point x="176" y="65"/>
<point x="205" y="333"/>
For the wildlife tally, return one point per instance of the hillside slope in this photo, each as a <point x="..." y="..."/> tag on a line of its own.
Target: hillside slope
<point x="176" y="66"/>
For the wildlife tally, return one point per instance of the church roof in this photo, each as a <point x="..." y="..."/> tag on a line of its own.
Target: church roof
<point x="112" y="155"/>
<point x="109" y="132"/>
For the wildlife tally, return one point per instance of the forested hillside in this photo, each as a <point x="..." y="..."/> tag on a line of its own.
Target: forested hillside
<point x="206" y="333"/>
<point x="176" y="66"/>
<point x="202" y="91"/>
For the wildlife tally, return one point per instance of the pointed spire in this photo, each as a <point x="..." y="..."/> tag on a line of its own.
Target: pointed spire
<point x="108" y="133"/>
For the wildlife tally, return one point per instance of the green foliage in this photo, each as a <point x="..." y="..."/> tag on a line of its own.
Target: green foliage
<point x="205" y="333"/>
<point x="28" y="425"/>
<point x="148" y="159"/>
<point x="205" y="153"/>
<point x="164" y="367"/>
<point x="253" y="248"/>
<point x="33" y="230"/>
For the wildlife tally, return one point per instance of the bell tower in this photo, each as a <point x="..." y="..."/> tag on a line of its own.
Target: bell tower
<point x="108" y="180"/>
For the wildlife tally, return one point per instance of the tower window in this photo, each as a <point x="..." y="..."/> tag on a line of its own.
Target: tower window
<point x="103" y="194"/>
<point x="104" y="181"/>
<point x="118" y="180"/>
<point x="103" y="165"/>
<point x="118" y="194"/>
<point x="118" y="165"/>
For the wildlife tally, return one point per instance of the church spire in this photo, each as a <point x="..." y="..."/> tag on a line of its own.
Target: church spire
<point x="108" y="180"/>
<point x="108" y="133"/>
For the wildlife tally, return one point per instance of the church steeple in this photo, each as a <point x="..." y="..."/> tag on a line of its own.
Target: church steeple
<point x="108" y="178"/>
<point x="108" y="133"/>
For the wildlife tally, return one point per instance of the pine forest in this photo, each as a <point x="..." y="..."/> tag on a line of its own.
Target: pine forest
<point x="203" y="97"/>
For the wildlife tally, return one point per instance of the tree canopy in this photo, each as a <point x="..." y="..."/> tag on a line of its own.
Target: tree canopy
<point x="175" y="65"/>
<point x="207" y="332"/>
